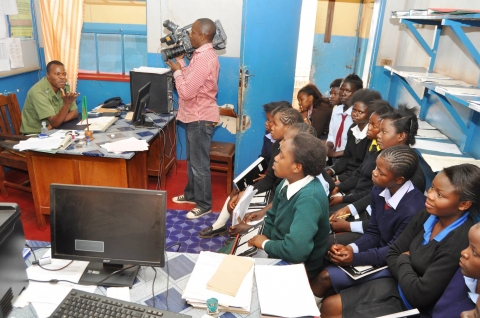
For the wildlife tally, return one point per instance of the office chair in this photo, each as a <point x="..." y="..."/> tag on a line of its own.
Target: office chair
<point x="10" y="121"/>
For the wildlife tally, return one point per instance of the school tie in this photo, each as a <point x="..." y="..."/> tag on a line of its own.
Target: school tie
<point x="338" y="139"/>
<point x="283" y="192"/>
<point x="374" y="144"/>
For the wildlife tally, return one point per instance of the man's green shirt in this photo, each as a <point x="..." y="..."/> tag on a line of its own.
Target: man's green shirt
<point x="41" y="103"/>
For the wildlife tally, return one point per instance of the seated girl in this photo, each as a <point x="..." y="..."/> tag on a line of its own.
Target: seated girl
<point x="315" y="109"/>
<point x="296" y="227"/>
<point x="357" y="141"/>
<point x="282" y="120"/>
<point x="398" y="127"/>
<point x="394" y="202"/>
<point x="424" y="258"/>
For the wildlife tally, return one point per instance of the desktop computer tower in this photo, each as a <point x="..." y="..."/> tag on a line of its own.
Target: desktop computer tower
<point x="161" y="90"/>
<point x="13" y="271"/>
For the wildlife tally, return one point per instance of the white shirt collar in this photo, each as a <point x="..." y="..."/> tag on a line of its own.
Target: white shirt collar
<point x="394" y="200"/>
<point x="296" y="186"/>
<point x="359" y="134"/>
<point x="269" y="136"/>
<point x="472" y="287"/>
<point x="338" y="110"/>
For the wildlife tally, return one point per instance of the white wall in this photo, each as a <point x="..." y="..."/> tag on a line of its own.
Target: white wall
<point x="184" y="12"/>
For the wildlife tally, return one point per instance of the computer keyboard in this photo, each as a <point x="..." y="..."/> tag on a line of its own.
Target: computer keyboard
<point x="113" y="113"/>
<point x="85" y="305"/>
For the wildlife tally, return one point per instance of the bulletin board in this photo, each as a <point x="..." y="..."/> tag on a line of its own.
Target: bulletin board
<point x="18" y="46"/>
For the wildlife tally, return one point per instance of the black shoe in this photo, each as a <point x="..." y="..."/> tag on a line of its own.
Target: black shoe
<point x="228" y="241"/>
<point x="210" y="232"/>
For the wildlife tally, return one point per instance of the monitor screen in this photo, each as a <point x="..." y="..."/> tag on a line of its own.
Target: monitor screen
<point x="141" y="105"/>
<point x="108" y="226"/>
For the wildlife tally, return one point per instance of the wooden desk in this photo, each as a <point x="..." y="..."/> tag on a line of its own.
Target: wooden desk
<point x="46" y="168"/>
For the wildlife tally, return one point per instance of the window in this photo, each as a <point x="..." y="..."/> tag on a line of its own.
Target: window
<point x="110" y="51"/>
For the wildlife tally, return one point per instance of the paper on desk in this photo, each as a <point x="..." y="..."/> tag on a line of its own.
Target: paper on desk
<point x="129" y="144"/>
<point x="72" y="273"/>
<point x="430" y="133"/>
<point x="242" y="206"/>
<point x="103" y="119"/>
<point x="205" y="268"/>
<point x="437" y="146"/>
<point x="122" y="293"/>
<point x="437" y="163"/>
<point x="39" y="144"/>
<point x="230" y="275"/>
<point x="289" y="296"/>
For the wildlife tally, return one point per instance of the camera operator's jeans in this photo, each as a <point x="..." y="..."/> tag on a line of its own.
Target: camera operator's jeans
<point x="199" y="186"/>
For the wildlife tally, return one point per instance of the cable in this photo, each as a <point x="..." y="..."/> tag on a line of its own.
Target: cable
<point x="168" y="278"/>
<point x="178" y="243"/>
<point x="52" y="281"/>
<point x="115" y="272"/>
<point x="47" y="269"/>
<point x="153" y="284"/>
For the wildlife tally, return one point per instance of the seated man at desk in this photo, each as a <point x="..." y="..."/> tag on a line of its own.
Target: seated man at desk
<point x="48" y="101"/>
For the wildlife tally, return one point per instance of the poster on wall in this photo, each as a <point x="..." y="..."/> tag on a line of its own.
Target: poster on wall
<point x="21" y="24"/>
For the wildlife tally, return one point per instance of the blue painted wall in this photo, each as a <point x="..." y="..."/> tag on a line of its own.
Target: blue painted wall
<point x="227" y="94"/>
<point x="19" y="84"/>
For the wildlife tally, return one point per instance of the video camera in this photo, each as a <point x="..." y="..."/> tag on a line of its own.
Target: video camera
<point x="180" y="36"/>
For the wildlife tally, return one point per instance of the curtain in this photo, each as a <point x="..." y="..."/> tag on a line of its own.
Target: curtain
<point x="62" y="22"/>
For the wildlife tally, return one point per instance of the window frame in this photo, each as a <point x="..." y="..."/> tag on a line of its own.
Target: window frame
<point x="107" y="28"/>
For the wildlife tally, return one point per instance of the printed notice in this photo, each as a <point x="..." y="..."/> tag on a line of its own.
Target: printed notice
<point x="4" y="59"/>
<point x="15" y="52"/>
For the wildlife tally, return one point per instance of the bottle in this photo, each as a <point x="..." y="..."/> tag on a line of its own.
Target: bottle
<point x="43" y="130"/>
<point x="87" y="140"/>
<point x="212" y="307"/>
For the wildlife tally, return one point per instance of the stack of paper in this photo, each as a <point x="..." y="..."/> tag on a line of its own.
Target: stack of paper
<point x="129" y="144"/>
<point x="196" y="292"/>
<point x="99" y="123"/>
<point x="284" y="291"/>
<point x="457" y="90"/>
<point x="474" y="104"/>
<point x="39" y="144"/>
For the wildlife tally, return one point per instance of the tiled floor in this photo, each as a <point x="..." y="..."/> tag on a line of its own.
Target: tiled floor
<point x="183" y="230"/>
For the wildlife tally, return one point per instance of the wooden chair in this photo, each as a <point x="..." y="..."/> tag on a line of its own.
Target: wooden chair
<point x="10" y="121"/>
<point x="222" y="153"/>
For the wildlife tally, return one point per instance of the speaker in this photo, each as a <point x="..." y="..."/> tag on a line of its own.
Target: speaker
<point x="161" y="90"/>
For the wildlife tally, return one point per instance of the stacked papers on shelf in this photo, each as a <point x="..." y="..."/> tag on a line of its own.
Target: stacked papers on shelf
<point x="129" y="144"/>
<point x="196" y="292"/>
<point x="457" y="90"/>
<point x="475" y="105"/>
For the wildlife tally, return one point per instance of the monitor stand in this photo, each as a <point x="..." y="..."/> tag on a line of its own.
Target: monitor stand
<point x="143" y="122"/>
<point x="96" y="272"/>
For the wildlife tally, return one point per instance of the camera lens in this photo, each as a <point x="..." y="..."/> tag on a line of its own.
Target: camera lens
<point x="169" y="54"/>
<point x="170" y="25"/>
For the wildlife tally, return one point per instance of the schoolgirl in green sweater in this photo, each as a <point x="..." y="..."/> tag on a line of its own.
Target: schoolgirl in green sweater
<point x="297" y="227"/>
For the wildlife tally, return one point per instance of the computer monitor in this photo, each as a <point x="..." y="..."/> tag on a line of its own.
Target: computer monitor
<point x="141" y="105"/>
<point x="112" y="228"/>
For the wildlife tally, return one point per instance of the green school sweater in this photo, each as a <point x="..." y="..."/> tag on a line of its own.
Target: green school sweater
<point x="298" y="228"/>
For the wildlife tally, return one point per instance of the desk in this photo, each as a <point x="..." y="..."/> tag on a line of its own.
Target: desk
<point x="179" y="265"/>
<point x="126" y="170"/>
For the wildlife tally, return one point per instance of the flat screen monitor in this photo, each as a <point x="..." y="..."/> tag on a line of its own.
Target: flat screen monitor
<point x="112" y="228"/>
<point x="141" y="105"/>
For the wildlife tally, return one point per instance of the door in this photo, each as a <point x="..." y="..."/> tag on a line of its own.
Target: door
<point x="267" y="69"/>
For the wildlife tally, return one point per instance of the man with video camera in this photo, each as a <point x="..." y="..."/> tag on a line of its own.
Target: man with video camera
<point x="197" y="89"/>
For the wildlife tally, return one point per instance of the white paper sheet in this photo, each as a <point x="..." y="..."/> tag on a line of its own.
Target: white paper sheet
<point x="130" y="144"/>
<point x="15" y="52"/>
<point x="122" y="293"/>
<point x="437" y="146"/>
<point x="3" y="25"/>
<point x="39" y="144"/>
<point x="9" y="7"/>
<point x="71" y="273"/>
<point x="242" y="205"/>
<point x="4" y="57"/>
<point x="290" y="296"/>
<point x="206" y="265"/>
<point x="154" y="70"/>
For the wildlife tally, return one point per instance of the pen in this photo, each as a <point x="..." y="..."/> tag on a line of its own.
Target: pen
<point x="344" y="216"/>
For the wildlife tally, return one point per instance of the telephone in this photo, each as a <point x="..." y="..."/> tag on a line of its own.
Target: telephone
<point x="112" y="102"/>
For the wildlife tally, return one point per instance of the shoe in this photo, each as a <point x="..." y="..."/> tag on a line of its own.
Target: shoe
<point x="210" y="232"/>
<point x="228" y="241"/>
<point x="181" y="199"/>
<point x="197" y="212"/>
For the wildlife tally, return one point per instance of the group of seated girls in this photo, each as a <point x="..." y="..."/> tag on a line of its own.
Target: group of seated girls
<point x="368" y="207"/>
